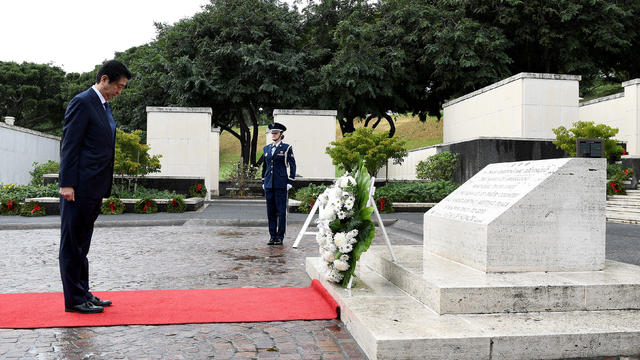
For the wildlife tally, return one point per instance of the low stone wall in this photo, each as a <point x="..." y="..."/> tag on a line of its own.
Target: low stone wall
<point x="255" y="187"/>
<point x="179" y="184"/>
<point x="51" y="205"/>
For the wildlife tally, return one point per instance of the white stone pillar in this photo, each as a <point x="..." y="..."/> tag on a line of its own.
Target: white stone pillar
<point x="309" y="132"/>
<point x="186" y="141"/>
<point x="526" y="105"/>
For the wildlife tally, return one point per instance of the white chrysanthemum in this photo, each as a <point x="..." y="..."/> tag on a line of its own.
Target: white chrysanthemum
<point x="345" y="181"/>
<point x="334" y="275"/>
<point x="341" y="265"/>
<point x="329" y="256"/>
<point x="331" y="247"/>
<point x="327" y="213"/>
<point x="348" y="204"/>
<point x="352" y="234"/>
<point x="342" y="215"/>
<point x="340" y="239"/>
<point x="346" y="248"/>
<point x="344" y="257"/>
<point x="323" y="198"/>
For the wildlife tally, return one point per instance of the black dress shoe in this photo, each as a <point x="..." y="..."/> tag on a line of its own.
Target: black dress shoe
<point x="97" y="302"/>
<point x="86" y="308"/>
<point x="272" y="241"/>
<point x="277" y="242"/>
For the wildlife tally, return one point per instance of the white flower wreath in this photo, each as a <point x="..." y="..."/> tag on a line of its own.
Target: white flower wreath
<point x="344" y="224"/>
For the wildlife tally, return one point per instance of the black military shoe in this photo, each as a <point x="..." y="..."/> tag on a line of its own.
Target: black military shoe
<point x="272" y="241"/>
<point x="97" y="302"/>
<point x="86" y="308"/>
<point x="277" y="242"/>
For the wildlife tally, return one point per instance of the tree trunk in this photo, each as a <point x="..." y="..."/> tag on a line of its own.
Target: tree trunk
<point x="346" y="125"/>
<point x="254" y="135"/>
<point x="245" y="134"/>
<point x="392" y="126"/>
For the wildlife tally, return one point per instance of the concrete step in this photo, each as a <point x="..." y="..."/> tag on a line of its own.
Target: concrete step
<point x="449" y="287"/>
<point x="390" y="324"/>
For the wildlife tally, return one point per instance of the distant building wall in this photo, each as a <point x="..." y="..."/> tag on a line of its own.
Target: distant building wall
<point x="475" y="154"/>
<point x="186" y="141"/>
<point x="309" y="132"/>
<point x="20" y="148"/>
<point x="526" y="105"/>
<point x="621" y="111"/>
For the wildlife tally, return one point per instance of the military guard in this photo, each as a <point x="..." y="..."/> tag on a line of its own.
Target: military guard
<point x="278" y="156"/>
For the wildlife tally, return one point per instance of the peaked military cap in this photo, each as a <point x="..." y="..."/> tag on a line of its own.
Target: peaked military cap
<point x="277" y="127"/>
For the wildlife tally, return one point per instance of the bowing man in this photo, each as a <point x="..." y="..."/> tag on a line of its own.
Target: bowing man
<point x="86" y="173"/>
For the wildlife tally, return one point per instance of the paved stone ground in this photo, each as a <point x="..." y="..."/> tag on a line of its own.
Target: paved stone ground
<point x="164" y="257"/>
<point x="184" y="257"/>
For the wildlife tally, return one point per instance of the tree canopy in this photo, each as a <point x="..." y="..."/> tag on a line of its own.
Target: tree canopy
<point x="365" y="59"/>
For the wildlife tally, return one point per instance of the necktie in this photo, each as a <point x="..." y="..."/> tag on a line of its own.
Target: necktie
<point x="112" y="122"/>
<point x="273" y="149"/>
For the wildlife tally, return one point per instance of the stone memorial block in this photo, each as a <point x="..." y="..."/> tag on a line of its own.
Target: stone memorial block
<point x="545" y="215"/>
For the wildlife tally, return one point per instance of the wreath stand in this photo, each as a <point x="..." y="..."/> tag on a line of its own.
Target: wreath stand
<point x="371" y="202"/>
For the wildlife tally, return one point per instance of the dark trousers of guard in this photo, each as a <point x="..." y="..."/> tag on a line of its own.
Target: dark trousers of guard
<point x="277" y="212"/>
<point x="76" y="227"/>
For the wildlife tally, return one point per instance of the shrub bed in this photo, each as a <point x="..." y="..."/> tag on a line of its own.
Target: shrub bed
<point x="307" y="196"/>
<point x="427" y="192"/>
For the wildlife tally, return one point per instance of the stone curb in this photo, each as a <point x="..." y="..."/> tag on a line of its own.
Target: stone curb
<point x="167" y="222"/>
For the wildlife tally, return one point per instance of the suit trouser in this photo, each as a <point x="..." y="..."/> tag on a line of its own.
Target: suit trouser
<point x="276" y="212"/>
<point x="76" y="227"/>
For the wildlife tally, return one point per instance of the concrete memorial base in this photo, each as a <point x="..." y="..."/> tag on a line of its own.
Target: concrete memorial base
<point x="512" y="267"/>
<point x="388" y="323"/>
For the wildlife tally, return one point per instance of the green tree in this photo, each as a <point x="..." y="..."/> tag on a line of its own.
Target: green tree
<point x="241" y="58"/>
<point x="132" y="159"/>
<point x="375" y="148"/>
<point x="32" y="94"/>
<point x="447" y="52"/>
<point x="566" y="138"/>
<point x="148" y="86"/>
<point x="580" y="37"/>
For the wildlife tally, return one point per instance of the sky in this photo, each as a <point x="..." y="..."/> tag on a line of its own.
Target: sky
<point x="76" y="35"/>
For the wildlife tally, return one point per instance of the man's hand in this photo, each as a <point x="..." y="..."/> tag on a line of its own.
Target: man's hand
<point x="68" y="193"/>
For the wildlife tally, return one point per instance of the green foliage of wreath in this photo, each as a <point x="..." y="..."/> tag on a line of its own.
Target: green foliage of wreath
<point x="146" y="206"/>
<point x="197" y="190"/>
<point x="176" y="205"/>
<point x="9" y="207"/>
<point x="112" y="206"/>
<point x="32" y="208"/>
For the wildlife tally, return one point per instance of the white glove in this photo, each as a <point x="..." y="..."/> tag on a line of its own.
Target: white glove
<point x="262" y="186"/>
<point x="289" y="186"/>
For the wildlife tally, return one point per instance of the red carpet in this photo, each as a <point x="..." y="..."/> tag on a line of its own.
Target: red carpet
<point x="157" y="307"/>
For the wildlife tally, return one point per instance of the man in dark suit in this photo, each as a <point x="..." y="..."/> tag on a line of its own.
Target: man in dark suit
<point x="278" y="156"/>
<point x="86" y="172"/>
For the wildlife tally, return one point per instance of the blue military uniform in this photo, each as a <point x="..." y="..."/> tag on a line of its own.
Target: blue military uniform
<point x="277" y="158"/>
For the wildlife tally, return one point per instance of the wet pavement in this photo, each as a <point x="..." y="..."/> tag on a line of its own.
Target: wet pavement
<point x="171" y="257"/>
<point x="189" y="256"/>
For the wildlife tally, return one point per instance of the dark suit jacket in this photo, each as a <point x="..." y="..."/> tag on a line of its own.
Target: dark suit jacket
<point x="88" y="147"/>
<point x="274" y="168"/>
